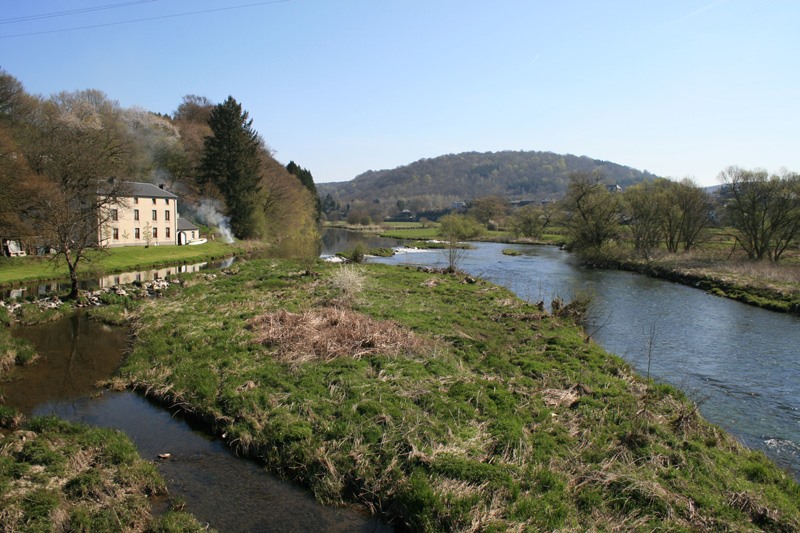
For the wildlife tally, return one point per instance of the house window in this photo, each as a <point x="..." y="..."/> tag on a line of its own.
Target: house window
<point x="135" y="200"/>
<point x="155" y="214"/>
<point x="135" y="214"/>
<point x="166" y="232"/>
<point x="166" y="214"/>
<point x="192" y="235"/>
<point x="115" y="233"/>
<point x="166" y="201"/>
<point x="155" y="233"/>
<point x="114" y="215"/>
<point x="135" y="233"/>
<point x="154" y="201"/>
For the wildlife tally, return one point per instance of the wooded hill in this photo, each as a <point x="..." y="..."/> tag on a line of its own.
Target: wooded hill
<point x="438" y="182"/>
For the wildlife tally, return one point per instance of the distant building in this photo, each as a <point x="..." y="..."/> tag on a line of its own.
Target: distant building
<point x="145" y="215"/>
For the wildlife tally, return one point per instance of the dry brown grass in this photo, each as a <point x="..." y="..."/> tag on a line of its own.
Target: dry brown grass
<point x="781" y="276"/>
<point x="326" y="333"/>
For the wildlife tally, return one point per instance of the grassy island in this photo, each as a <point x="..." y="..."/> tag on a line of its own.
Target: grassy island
<point x="57" y="476"/>
<point x="443" y="404"/>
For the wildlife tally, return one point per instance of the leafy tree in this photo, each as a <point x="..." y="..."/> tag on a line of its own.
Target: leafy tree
<point x="305" y="177"/>
<point x="528" y="222"/>
<point x="592" y="212"/>
<point x="764" y="210"/>
<point x="644" y="207"/>
<point x="231" y="164"/>
<point x="686" y="214"/>
<point x="455" y="229"/>
<point x="12" y="95"/>
<point x="489" y="208"/>
<point x="18" y="185"/>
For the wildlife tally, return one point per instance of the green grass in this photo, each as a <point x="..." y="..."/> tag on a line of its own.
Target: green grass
<point x="418" y="233"/>
<point x="506" y="419"/>
<point x="19" y="270"/>
<point x="57" y="476"/>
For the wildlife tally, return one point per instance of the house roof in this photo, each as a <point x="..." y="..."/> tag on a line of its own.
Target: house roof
<point x="185" y="225"/>
<point x="148" y="190"/>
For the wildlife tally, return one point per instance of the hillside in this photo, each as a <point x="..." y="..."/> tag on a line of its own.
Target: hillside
<point x="439" y="181"/>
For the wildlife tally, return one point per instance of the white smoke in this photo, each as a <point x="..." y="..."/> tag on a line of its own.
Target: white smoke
<point x="209" y="214"/>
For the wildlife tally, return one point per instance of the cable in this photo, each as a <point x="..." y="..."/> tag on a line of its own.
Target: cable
<point x="72" y="12"/>
<point x="132" y="21"/>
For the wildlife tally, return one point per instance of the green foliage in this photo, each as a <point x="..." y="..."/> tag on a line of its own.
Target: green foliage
<point x="305" y="177"/>
<point x="357" y="254"/>
<point x="592" y="212"/>
<point x="455" y="229"/>
<point x="764" y="210"/>
<point x="231" y="164"/>
<point x="528" y="221"/>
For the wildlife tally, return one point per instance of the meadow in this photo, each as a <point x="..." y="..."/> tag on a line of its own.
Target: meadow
<point x="442" y="403"/>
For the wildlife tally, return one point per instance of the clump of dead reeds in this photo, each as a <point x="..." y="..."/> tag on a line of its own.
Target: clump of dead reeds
<point x="326" y="333"/>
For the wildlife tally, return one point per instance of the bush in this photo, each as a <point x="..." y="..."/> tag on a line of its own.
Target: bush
<point x="350" y="281"/>
<point x="357" y="254"/>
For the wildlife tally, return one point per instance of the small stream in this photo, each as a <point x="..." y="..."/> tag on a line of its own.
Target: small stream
<point x="227" y="492"/>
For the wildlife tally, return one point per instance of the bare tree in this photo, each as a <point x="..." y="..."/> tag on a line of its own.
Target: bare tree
<point x="644" y="206"/>
<point x="455" y="229"/>
<point x="764" y="210"/>
<point x="78" y="143"/>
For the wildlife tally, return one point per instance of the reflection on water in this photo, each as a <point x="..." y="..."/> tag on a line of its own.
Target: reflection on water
<point x="739" y="362"/>
<point x="229" y="493"/>
<point x="43" y="289"/>
<point x="147" y="275"/>
<point x="75" y="354"/>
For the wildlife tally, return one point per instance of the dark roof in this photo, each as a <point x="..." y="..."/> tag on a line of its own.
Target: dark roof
<point x="185" y="225"/>
<point x="147" y="190"/>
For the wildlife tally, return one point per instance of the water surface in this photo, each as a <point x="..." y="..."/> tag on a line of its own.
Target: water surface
<point x="227" y="492"/>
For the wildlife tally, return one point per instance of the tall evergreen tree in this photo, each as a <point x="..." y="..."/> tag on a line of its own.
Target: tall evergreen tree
<point x="231" y="163"/>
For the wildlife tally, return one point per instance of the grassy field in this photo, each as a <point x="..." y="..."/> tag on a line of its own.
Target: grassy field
<point x="56" y="476"/>
<point x="20" y="270"/>
<point x="443" y="405"/>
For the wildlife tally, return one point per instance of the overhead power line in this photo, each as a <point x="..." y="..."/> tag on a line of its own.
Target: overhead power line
<point x="72" y="12"/>
<point x="146" y="19"/>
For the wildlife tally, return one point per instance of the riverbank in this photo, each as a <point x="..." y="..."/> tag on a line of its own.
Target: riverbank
<point x="715" y="270"/>
<point x="442" y="404"/>
<point x="15" y="271"/>
<point x="57" y="476"/>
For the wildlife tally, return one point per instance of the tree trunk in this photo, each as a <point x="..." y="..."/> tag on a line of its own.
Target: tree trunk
<point x="73" y="275"/>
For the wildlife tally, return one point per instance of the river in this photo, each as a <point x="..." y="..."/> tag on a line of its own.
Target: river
<point x="740" y="363"/>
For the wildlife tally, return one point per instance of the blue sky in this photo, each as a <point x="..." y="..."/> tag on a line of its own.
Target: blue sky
<point x="680" y="88"/>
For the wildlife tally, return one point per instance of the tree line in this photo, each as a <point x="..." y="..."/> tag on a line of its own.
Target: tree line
<point x="761" y="212"/>
<point x="59" y="153"/>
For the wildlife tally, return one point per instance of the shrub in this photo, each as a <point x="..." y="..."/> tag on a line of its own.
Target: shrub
<point x="350" y="282"/>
